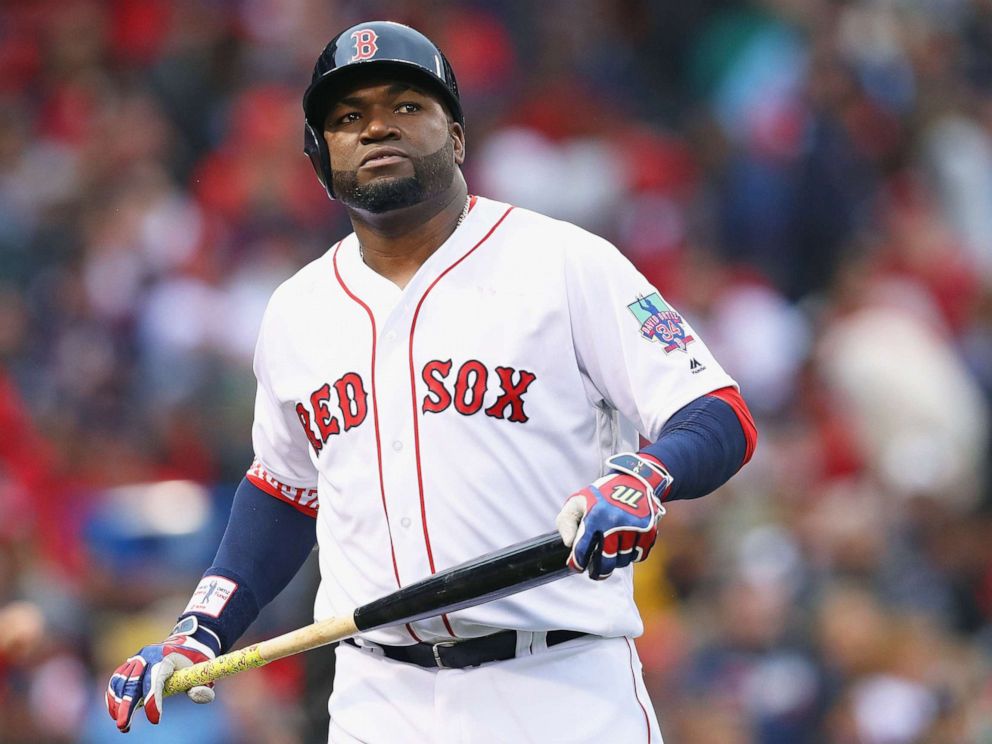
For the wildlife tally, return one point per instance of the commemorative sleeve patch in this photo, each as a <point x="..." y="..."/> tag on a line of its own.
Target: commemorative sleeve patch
<point x="661" y="323"/>
<point x="211" y="595"/>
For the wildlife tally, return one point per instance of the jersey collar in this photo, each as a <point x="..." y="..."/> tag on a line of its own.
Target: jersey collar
<point x="382" y="295"/>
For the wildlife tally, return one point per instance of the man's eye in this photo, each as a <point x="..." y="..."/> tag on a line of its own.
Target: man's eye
<point x="348" y="118"/>
<point x="408" y="108"/>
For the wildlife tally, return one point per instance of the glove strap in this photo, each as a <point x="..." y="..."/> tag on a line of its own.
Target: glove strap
<point x="188" y="632"/>
<point x="648" y="470"/>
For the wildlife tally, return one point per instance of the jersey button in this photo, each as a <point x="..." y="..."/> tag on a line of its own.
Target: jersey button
<point x="405" y="521"/>
<point x="397" y="445"/>
<point x="390" y="335"/>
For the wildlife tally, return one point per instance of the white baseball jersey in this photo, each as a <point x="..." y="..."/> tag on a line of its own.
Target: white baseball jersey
<point x="454" y="417"/>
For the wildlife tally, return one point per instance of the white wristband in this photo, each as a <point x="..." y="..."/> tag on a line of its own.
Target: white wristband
<point x="211" y="595"/>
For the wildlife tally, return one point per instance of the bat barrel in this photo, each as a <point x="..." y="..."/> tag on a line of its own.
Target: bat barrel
<point x="508" y="571"/>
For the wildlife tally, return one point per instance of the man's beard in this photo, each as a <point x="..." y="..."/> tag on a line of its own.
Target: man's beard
<point x="432" y="175"/>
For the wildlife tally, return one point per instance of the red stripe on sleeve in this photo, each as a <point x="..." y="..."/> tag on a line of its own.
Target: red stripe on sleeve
<point x="732" y="398"/>
<point x="301" y="499"/>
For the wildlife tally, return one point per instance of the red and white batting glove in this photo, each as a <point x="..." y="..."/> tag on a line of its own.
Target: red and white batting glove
<point x="614" y="522"/>
<point x="141" y="679"/>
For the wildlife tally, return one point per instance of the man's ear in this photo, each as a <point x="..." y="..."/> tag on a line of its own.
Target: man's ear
<point x="458" y="138"/>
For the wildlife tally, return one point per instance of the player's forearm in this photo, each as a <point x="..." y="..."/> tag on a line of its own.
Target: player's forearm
<point x="264" y="545"/>
<point x="705" y="443"/>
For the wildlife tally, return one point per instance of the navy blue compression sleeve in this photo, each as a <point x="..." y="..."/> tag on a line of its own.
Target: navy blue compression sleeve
<point x="704" y="443"/>
<point x="266" y="542"/>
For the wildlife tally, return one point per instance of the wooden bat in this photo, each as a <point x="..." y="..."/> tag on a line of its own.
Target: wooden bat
<point x="498" y="574"/>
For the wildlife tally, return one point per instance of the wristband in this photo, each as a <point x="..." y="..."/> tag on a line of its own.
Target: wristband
<point x="224" y="604"/>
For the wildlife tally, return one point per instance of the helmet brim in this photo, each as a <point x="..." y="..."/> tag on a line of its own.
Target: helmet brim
<point x="320" y="96"/>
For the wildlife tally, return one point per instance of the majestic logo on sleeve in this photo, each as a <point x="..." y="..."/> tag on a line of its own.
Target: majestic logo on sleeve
<point x="661" y="323"/>
<point x="365" y="44"/>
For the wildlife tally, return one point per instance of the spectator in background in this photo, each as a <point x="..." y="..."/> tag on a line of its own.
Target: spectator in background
<point x="810" y="182"/>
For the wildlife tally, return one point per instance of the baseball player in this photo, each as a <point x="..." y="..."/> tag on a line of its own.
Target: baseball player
<point x="456" y="375"/>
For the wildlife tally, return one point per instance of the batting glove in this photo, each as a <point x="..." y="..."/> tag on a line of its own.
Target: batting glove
<point x="614" y="522"/>
<point x="141" y="679"/>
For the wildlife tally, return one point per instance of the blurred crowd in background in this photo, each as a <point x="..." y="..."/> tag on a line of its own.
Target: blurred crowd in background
<point x="808" y="181"/>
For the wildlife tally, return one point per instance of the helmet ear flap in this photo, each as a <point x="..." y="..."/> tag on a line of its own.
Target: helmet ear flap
<point x="320" y="158"/>
<point x="452" y="85"/>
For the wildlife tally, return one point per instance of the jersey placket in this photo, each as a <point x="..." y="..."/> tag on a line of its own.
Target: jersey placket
<point x="399" y="454"/>
<point x="459" y="247"/>
<point x="405" y="480"/>
<point x="395" y="396"/>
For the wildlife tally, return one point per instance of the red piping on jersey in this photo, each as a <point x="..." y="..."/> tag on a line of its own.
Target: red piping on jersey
<point x="375" y="421"/>
<point x="633" y="678"/>
<point x="732" y="398"/>
<point x="413" y="394"/>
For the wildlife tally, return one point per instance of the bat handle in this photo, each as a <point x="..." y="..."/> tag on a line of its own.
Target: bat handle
<point x="207" y="671"/>
<point x="261" y="653"/>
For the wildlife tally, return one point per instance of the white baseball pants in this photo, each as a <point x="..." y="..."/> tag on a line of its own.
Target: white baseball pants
<point x="585" y="690"/>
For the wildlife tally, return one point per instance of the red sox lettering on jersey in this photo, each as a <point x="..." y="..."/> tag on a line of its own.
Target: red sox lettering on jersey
<point x="467" y="391"/>
<point x="470" y="386"/>
<point x="453" y="416"/>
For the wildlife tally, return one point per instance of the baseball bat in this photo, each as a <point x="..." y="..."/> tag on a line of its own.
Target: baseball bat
<point x="498" y="574"/>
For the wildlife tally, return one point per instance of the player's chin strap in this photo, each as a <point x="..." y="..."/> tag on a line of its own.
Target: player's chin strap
<point x="646" y="469"/>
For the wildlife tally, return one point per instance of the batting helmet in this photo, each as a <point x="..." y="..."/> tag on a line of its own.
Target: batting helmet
<point x="378" y="45"/>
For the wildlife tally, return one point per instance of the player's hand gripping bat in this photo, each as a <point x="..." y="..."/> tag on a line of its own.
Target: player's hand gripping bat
<point x="491" y="576"/>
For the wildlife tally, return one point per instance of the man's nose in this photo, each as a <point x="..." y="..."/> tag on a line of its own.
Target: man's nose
<point x="379" y="126"/>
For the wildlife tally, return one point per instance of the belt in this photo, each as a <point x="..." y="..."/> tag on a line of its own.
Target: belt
<point x="465" y="653"/>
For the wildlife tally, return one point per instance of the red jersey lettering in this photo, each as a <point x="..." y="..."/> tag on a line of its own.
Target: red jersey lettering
<point x="512" y="396"/>
<point x="352" y="399"/>
<point x="470" y="388"/>
<point x="438" y="398"/>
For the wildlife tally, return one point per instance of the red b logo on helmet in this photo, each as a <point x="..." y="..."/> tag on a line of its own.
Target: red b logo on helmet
<point x="365" y="46"/>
